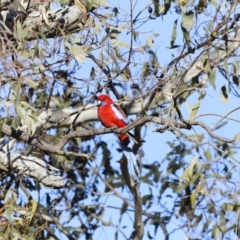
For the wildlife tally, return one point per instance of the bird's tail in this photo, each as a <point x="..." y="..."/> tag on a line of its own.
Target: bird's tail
<point x="131" y="160"/>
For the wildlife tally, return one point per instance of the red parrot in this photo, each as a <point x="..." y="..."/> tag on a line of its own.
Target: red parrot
<point x="111" y="115"/>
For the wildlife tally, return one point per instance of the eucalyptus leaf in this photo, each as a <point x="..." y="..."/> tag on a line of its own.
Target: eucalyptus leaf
<point x="224" y="95"/>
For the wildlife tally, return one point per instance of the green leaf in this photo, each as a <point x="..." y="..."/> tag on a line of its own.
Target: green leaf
<point x="212" y="78"/>
<point x="92" y="73"/>
<point x="19" y="29"/>
<point x="173" y="166"/>
<point x="187" y="19"/>
<point x="27" y="105"/>
<point x="189" y="172"/>
<point x="215" y="4"/>
<point x="195" y="110"/>
<point x="25" y="31"/>
<point x="119" y="43"/>
<point x="31" y="83"/>
<point x="210" y="25"/>
<point x="114" y="59"/>
<point x="202" y="4"/>
<point x="21" y="113"/>
<point x="16" y="236"/>
<point x="39" y="69"/>
<point x="43" y="37"/>
<point x="78" y="52"/>
<point x="21" y="7"/>
<point x="157" y="9"/>
<point x="154" y="62"/>
<point x="126" y="74"/>
<point x="167" y="5"/>
<point x="224" y="94"/>
<point x="236" y="80"/>
<point x="80" y="6"/>
<point x="172" y="47"/>
<point x="114" y="32"/>
<point x="97" y="3"/>
<point x="174" y="33"/>
<point x="145" y="70"/>
<point x="236" y="68"/>
<point x="9" y="201"/>
<point x="30" y="123"/>
<point x="33" y="209"/>
<point x="208" y="155"/>
<point x="206" y="64"/>
<point x="193" y="165"/>
<point x="193" y="198"/>
<point x="237" y="137"/>
<point x="97" y="28"/>
<point x="3" y="167"/>
<point x="146" y="198"/>
<point x="216" y="232"/>
<point x="226" y="65"/>
<point x="220" y="125"/>
<point x="189" y="108"/>
<point x="196" y="138"/>
<point x="135" y="35"/>
<point x="228" y="207"/>
<point x="186" y="36"/>
<point x="123" y="208"/>
<point x="149" y="42"/>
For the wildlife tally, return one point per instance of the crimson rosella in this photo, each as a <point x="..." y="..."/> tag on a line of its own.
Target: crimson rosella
<point x="111" y="115"/>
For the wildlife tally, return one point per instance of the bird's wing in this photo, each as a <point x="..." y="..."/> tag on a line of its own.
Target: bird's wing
<point x="119" y="113"/>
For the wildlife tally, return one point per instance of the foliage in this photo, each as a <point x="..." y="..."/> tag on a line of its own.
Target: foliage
<point x="60" y="60"/>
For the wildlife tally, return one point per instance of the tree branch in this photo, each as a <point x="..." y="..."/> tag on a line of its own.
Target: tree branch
<point x="33" y="167"/>
<point x="28" y="165"/>
<point x="209" y="131"/>
<point x="35" y="141"/>
<point x="56" y="222"/>
<point x="51" y="23"/>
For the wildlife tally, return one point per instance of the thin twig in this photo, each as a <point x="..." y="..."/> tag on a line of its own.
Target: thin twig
<point x="223" y="117"/>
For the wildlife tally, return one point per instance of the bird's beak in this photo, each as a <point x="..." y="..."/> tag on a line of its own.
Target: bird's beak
<point x="99" y="103"/>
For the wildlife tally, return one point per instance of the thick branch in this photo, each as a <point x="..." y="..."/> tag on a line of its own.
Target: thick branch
<point x="35" y="141"/>
<point x="69" y="19"/>
<point x="26" y="137"/>
<point x="33" y="167"/>
<point x="66" y="116"/>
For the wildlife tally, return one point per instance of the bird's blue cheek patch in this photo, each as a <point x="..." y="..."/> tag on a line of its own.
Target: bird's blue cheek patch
<point x="103" y="103"/>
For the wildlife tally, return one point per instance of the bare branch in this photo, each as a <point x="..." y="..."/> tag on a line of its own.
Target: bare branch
<point x="209" y="131"/>
<point x="36" y="141"/>
<point x="26" y="137"/>
<point x="225" y="116"/>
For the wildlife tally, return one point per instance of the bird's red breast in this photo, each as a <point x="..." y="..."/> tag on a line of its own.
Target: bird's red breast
<point x="111" y="115"/>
